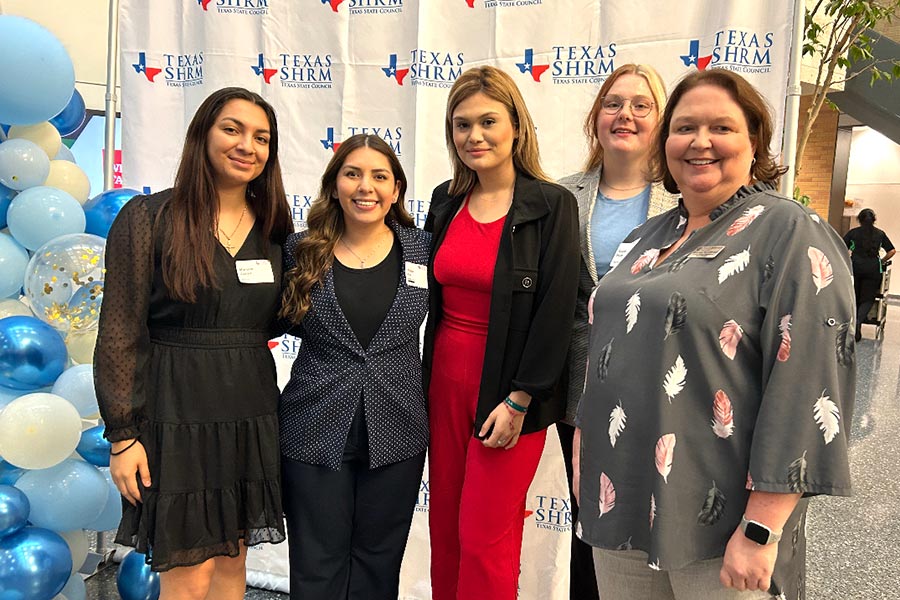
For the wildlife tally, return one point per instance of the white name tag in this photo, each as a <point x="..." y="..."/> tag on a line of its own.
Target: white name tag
<point x="254" y="271"/>
<point x="417" y="275"/>
<point x="706" y="252"/>
<point x="621" y="252"/>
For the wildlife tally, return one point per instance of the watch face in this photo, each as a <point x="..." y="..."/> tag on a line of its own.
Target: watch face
<point x="757" y="533"/>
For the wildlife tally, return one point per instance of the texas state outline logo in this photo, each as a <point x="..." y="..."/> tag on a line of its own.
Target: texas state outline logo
<point x="528" y="66"/>
<point x="236" y="7"/>
<point x="304" y="70"/>
<point x="693" y="58"/>
<point x="142" y="68"/>
<point x="391" y="70"/>
<point x="178" y="69"/>
<point x="328" y="143"/>
<point x="260" y="70"/>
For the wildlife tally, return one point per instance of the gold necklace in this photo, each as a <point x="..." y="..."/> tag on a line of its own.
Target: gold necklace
<point x="628" y="189"/>
<point x="228" y="245"/>
<point x="362" y="260"/>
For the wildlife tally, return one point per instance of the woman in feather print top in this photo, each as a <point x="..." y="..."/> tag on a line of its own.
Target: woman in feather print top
<point x="714" y="400"/>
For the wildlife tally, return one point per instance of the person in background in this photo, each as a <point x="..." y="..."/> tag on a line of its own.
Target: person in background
<point x="184" y="377"/>
<point x="503" y="274"/>
<point x="614" y="196"/>
<point x="721" y="377"/>
<point x="865" y="243"/>
<point x="353" y="417"/>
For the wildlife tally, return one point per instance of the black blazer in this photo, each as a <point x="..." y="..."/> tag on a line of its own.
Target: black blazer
<point x="532" y="298"/>
<point x="332" y="371"/>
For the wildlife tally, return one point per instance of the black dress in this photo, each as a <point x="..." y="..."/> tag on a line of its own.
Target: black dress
<point x="867" y="268"/>
<point x="196" y="384"/>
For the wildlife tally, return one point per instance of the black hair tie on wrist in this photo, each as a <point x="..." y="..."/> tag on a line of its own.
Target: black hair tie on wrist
<point x="125" y="449"/>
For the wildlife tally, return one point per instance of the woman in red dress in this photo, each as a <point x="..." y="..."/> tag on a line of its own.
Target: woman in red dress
<point x="503" y="276"/>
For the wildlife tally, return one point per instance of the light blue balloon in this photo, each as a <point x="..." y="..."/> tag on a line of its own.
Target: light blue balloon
<point x="64" y="154"/>
<point x="32" y="353"/>
<point x="69" y="496"/>
<point x="93" y="447"/>
<point x="101" y="210"/>
<point x="76" y="385"/>
<point x="36" y="73"/>
<point x="39" y="214"/>
<point x="13" y="260"/>
<point x="71" y="117"/>
<point x="23" y="164"/>
<point x="6" y="196"/>
<point x="112" y="512"/>
<point x="14" y="510"/>
<point x="34" y="563"/>
<point x="135" y="580"/>
<point x="9" y="474"/>
<point x="75" y="588"/>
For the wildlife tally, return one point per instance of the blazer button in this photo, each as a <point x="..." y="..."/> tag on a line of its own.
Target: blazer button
<point x="527" y="282"/>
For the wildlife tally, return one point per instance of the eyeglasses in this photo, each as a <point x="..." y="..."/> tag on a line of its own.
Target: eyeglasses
<point x="640" y="105"/>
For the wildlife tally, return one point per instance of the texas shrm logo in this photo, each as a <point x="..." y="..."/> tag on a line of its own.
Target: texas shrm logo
<point x="308" y="71"/>
<point x="553" y="513"/>
<point x="391" y="135"/>
<point x="367" y="7"/>
<point x="285" y="347"/>
<point x="177" y="69"/>
<point x="737" y="50"/>
<point x="427" y="68"/>
<point x="299" y="205"/>
<point x="236" y="7"/>
<point x="572" y="64"/>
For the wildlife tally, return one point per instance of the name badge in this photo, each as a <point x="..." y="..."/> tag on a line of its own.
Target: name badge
<point x="621" y="252"/>
<point x="706" y="252"/>
<point x="255" y="271"/>
<point x="417" y="275"/>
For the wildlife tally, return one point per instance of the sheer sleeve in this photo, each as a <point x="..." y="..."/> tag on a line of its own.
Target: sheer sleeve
<point x="123" y="338"/>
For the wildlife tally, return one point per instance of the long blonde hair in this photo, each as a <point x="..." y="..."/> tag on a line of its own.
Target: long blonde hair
<point x="497" y="85"/>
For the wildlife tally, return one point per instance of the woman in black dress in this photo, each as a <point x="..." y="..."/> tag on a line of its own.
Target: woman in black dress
<point x="865" y="243"/>
<point x="184" y="378"/>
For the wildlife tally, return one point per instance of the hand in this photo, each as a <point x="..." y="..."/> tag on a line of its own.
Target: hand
<point x="125" y="466"/>
<point x="747" y="565"/>
<point x="507" y="423"/>
<point x="576" y="465"/>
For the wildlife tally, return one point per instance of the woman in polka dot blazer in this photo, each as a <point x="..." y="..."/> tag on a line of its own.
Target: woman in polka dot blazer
<point x="354" y="423"/>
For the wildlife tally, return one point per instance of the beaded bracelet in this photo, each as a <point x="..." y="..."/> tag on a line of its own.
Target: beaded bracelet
<point x="125" y="449"/>
<point x="516" y="407"/>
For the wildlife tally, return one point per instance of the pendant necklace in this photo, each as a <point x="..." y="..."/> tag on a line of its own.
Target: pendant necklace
<point x="228" y="245"/>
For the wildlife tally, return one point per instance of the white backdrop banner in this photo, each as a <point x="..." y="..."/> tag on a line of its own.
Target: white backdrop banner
<point x="333" y="68"/>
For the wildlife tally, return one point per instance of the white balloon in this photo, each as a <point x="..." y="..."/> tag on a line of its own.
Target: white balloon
<point x="81" y="345"/>
<point x="74" y="590"/>
<point x="69" y="177"/>
<point x="38" y="431"/>
<point x="10" y="307"/>
<point x="64" y="154"/>
<point x="43" y="134"/>
<point x="78" y="546"/>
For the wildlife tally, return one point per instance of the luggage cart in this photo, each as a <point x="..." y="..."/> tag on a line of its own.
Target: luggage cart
<point x="878" y="313"/>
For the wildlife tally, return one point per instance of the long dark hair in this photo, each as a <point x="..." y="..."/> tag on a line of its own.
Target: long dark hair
<point x="192" y="211"/>
<point x="314" y="254"/>
<point x="868" y="243"/>
<point x="754" y="107"/>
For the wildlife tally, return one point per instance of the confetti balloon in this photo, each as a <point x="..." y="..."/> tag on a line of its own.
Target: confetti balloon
<point x="64" y="281"/>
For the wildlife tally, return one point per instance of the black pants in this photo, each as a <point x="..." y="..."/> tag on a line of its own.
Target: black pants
<point x="582" y="579"/>
<point x="347" y="529"/>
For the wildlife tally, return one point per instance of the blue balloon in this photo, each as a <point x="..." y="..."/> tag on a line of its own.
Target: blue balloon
<point x="34" y="563"/>
<point x="64" y="153"/>
<point x="32" y="353"/>
<point x="23" y="164"/>
<point x="75" y="588"/>
<point x="39" y="214"/>
<point x="93" y="447"/>
<point x="9" y="473"/>
<point x="76" y="385"/>
<point x="101" y="210"/>
<point x="135" y="580"/>
<point x="72" y="116"/>
<point x="36" y="74"/>
<point x="112" y="512"/>
<point x="13" y="260"/>
<point x="69" y="496"/>
<point x="6" y="196"/>
<point x="14" y="509"/>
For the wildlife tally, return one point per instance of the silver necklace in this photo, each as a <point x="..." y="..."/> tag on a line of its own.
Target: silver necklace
<point x="362" y="260"/>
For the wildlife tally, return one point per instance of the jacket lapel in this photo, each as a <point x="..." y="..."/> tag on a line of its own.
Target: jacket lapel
<point x="586" y="194"/>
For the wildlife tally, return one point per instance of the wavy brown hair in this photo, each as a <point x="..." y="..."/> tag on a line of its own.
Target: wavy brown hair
<point x="192" y="211"/>
<point x="497" y="85"/>
<point x="314" y="253"/>
<point x="755" y="108"/>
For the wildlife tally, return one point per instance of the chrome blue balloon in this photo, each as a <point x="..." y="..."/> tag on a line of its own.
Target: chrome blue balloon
<point x="34" y="563"/>
<point x="36" y="74"/>
<point x="72" y="116"/>
<point x="9" y="474"/>
<point x="101" y="210"/>
<point x="23" y="164"/>
<point x="112" y="512"/>
<point x="76" y="385"/>
<point x="13" y="260"/>
<point x="39" y="214"/>
<point x="93" y="447"/>
<point x="69" y="496"/>
<point x="14" y="509"/>
<point x="135" y="580"/>
<point x="32" y="353"/>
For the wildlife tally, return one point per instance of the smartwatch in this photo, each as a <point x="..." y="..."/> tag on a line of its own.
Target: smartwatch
<point x="759" y="533"/>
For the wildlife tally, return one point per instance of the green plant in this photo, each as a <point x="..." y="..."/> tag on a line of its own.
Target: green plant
<point x="801" y="197"/>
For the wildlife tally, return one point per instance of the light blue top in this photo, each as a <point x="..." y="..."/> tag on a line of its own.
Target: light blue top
<point x="612" y="221"/>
